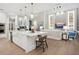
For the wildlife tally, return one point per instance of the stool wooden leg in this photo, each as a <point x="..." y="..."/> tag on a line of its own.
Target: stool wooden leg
<point x="36" y="44"/>
<point x="46" y="44"/>
<point x="43" y="47"/>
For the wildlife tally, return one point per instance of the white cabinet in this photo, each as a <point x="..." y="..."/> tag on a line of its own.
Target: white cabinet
<point x="51" y="22"/>
<point x="2" y="18"/>
<point x="23" y="41"/>
<point x="72" y="20"/>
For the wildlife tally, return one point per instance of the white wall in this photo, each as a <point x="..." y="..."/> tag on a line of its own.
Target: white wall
<point x="78" y="19"/>
<point x="42" y="17"/>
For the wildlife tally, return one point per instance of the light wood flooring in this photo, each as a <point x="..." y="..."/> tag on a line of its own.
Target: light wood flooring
<point x="54" y="48"/>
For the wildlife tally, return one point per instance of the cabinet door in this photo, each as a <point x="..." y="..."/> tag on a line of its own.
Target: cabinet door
<point x="20" y="40"/>
<point x="51" y="22"/>
<point x="71" y="20"/>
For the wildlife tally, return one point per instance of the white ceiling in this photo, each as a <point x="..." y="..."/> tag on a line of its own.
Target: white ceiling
<point x="13" y="8"/>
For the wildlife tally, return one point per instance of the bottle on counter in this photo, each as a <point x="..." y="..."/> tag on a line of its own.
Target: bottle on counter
<point x="33" y="29"/>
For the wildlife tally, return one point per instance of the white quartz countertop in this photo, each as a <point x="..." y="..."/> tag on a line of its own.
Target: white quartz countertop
<point x="29" y="33"/>
<point x="36" y="33"/>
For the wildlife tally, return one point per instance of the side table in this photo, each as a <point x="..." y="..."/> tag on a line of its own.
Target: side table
<point x="65" y="36"/>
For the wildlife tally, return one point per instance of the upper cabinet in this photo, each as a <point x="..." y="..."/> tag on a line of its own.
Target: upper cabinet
<point x="72" y="20"/>
<point x="3" y="18"/>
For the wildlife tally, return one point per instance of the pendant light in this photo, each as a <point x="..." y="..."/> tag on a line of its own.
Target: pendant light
<point x="25" y="16"/>
<point x="32" y="16"/>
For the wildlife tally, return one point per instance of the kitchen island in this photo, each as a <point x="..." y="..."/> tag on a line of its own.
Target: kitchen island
<point x="26" y="39"/>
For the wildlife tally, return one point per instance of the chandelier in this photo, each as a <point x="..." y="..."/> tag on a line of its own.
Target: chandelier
<point x="58" y="9"/>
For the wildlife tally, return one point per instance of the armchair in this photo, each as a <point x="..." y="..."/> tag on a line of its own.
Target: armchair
<point x="72" y="34"/>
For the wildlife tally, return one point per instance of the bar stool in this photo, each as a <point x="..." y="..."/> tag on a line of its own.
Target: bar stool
<point x="41" y="42"/>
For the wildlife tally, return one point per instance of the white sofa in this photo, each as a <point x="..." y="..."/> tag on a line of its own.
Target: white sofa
<point x="54" y="34"/>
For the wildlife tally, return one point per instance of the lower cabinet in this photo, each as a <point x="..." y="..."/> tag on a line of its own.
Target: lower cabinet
<point x="25" y="42"/>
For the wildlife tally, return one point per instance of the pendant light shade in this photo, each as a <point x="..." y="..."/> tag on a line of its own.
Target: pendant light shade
<point x="32" y="16"/>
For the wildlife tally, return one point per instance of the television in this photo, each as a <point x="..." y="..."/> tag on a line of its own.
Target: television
<point x="59" y="26"/>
